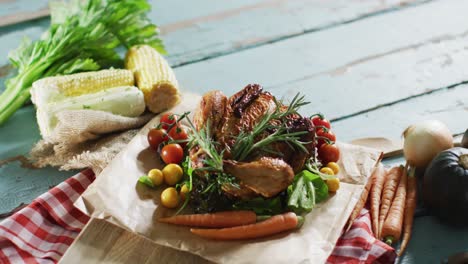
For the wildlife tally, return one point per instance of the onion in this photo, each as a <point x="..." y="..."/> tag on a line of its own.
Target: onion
<point x="423" y="141"/>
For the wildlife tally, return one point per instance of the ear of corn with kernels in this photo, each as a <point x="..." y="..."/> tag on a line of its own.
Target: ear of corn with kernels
<point x="58" y="88"/>
<point x="125" y="101"/>
<point x="107" y="90"/>
<point x="154" y="77"/>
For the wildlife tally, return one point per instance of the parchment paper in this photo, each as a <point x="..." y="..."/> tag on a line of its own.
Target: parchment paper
<point x="116" y="196"/>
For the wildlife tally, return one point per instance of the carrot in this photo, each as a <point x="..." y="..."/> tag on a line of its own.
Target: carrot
<point x="388" y="193"/>
<point x="273" y="225"/>
<point x="410" y="207"/>
<point x="220" y="219"/>
<point x="391" y="229"/>
<point x="376" y="193"/>
<point x="362" y="200"/>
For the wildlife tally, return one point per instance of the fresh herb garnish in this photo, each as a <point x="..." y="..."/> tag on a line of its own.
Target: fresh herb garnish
<point x="247" y="141"/>
<point x="207" y="183"/>
<point x="206" y="145"/>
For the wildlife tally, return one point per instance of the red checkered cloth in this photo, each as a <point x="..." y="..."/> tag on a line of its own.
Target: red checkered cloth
<point x="42" y="231"/>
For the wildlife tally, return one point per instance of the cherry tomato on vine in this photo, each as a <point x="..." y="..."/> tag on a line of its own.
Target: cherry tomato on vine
<point x="157" y="136"/>
<point x="322" y="135"/>
<point x="172" y="153"/>
<point x="178" y="133"/>
<point x="319" y="121"/>
<point x="329" y="153"/>
<point x="168" y="119"/>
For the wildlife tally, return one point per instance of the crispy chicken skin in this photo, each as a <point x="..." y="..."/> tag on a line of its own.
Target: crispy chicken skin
<point x="212" y="107"/>
<point x="245" y="110"/>
<point x="266" y="176"/>
<point x="264" y="173"/>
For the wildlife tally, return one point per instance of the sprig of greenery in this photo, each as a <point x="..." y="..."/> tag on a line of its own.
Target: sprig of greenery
<point x="247" y="141"/>
<point x="202" y="138"/>
<point x="207" y="193"/>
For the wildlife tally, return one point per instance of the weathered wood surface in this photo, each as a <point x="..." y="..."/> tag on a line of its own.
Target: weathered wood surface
<point x="211" y="28"/>
<point x="374" y="67"/>
<point x="121" y="246"/>
<point x="18" y="184"/>
<point x="15" y="11"/>
<point x="345" y="80"/>
<point x="448" y="105"/>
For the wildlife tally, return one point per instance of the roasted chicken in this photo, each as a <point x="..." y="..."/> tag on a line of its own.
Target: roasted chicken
<point x="266" y="176"/>
<point x="265" y="172"/>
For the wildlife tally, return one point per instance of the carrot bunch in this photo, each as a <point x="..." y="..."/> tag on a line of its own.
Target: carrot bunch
<point x="392" y="204"/>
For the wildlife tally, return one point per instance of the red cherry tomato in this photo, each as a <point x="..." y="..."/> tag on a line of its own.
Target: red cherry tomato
<point x="318" y="121"/>
<point x="168" y="119"/>
<point x="179" y="133"/>
<point x="322" y="135"/>
<point x="329" y="153"/>
<point x="157" y="136"/>
<point x="172" y="153"/>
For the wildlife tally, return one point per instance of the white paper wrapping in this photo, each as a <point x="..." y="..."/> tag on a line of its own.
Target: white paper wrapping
<point x="116" y="196"/>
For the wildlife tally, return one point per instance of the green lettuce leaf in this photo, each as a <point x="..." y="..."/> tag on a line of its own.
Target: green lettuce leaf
<point x="306" y="191"/>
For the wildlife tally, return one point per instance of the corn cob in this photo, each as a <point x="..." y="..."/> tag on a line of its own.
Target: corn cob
<point x="154" y="77"/>
<point x="58" y="88"/>
<point x="125" y="101"/>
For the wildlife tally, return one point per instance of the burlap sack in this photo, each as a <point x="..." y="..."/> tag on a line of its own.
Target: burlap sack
<point x="86" y="139"/>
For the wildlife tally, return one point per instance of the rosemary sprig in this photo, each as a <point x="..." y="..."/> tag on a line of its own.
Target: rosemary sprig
<point x="202" y="138"/>
<point x="246" y="142"/>
<point x="206" y="194"/>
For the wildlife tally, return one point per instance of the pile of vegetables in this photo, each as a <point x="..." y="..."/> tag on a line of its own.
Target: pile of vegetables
<point x="428" y="146"/>
<point x="392" y="201"/>
<point x="83" y="36"/>
<point x="214" y="209"/>
<point x="169" y="139"/>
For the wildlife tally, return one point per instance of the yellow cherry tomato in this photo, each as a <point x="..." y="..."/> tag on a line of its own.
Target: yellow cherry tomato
<point x="334" y="166"/>
<point x="327" y="170"/>
<point x="184" y="190"/>
<point x="333" y="184"/>
<point x="170" y="198"/>
<point x="172" y="174"/>
<point x="156" y="176"/>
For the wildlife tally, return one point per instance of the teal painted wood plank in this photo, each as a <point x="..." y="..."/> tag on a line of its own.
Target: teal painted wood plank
<point x="433" y="242"/>
<point x="259" y="23"/>
<point x="387" y="78"/>
<point x="329" y="50"/>
<point x="162" y="13"/>
<point x="374" y="67"/>
<point x="449" y="106"/>
<point x="21" y="185"/>
<point x="17" y="7"/>
<point x="208" y="28"/>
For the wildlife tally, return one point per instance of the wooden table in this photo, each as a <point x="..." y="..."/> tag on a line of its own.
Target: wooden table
<point x="372" y="67"/>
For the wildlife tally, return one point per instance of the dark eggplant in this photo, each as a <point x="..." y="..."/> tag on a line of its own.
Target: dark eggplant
<point x="445" y="186"/>
<point x="464" y="142"/>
